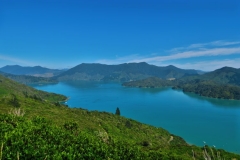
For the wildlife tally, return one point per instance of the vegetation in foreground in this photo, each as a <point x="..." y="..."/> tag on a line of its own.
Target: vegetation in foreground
<point x="64" y="133"/>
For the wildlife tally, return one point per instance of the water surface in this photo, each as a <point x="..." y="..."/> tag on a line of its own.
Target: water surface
<point x="195" y="118"/>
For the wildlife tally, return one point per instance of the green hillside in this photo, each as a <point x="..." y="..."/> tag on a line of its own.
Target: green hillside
<point x="222" y="83"/>
<point x="151" y="82"/>
<point x="225" y="75"/>
<point x="33" y="125"/>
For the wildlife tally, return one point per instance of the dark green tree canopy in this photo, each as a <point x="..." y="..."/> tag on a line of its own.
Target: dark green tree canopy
<point x="117" y="111"/>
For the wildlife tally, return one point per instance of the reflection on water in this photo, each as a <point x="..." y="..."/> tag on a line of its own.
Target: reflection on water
<point x="154" y="90"/>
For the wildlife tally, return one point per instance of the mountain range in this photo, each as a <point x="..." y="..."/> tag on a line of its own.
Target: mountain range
<point x="122" y="72"/>
<point x="36" y="71"/>
<point x="119" y="73"/>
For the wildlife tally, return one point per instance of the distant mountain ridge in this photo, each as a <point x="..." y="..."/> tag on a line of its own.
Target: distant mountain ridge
<point x="26" y="79"/>
<point x="122" y="72"/>
<point x="36" y="71"/>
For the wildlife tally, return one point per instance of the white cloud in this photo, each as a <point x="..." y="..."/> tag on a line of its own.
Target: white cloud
<point x="224" y="43"/>
<point x="118" y="60"/>
<point x="205" y="45"/>
<point x="191" y="54"/>
<point x="210" y="65"/>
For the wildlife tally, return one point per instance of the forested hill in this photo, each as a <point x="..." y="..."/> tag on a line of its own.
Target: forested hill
<point x="33" y="125"/>
<point x="37" y="71"/>
<point x="221" y="83"/>
<point x="225" y="75"/>
<point x="122" y="72"/>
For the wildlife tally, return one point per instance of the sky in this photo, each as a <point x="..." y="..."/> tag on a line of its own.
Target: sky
<point x="189" y="34"/>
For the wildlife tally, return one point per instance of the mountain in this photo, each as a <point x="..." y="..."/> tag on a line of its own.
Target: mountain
<point x="36" y="71"/>
<point x="225" y="75"/>
<point x="33" y="125"/>
<point x="221" y="83"/>
<point x="122" y="72"/>
<point x="25" y="79"/>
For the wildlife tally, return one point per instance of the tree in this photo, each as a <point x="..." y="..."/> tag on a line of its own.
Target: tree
<point x="117" y="111"/>
<point x="14" y="101"/>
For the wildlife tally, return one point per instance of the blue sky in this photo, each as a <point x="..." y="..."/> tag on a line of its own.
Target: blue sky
<point x="199" y="34"/>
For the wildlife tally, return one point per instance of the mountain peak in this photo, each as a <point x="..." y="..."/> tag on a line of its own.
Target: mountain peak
<point x="227" y="69"/>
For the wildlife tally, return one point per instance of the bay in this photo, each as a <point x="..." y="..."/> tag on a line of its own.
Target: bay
<point x="196" y="119"/>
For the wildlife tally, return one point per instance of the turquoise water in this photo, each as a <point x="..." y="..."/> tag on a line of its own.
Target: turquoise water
<point x="195" y="118"/>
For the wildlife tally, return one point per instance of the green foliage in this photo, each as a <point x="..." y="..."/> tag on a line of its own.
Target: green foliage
<point x="14" y="101"/>
<point x="71" y="126"/>
<point x="57" y="104"/>
<point x="35" y="97"/>
<point x="145" y="143"/>
<point x="40" y="139"/>
<point x="128" y="124"/>
<point x="36" y="139"/>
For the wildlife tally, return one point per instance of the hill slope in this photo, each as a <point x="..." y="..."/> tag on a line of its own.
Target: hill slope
<point x="9" y="87"/>
<point x="225" y="75"/>
<point x="66" y="133"/>
<point x="221" y="83"/>
<point x="121" y="72"/>
<point x="37" y="71"/>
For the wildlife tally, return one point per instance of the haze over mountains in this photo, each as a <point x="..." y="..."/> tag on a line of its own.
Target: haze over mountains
<point x="36" y="71"/>
<point x="26" y="79"/>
